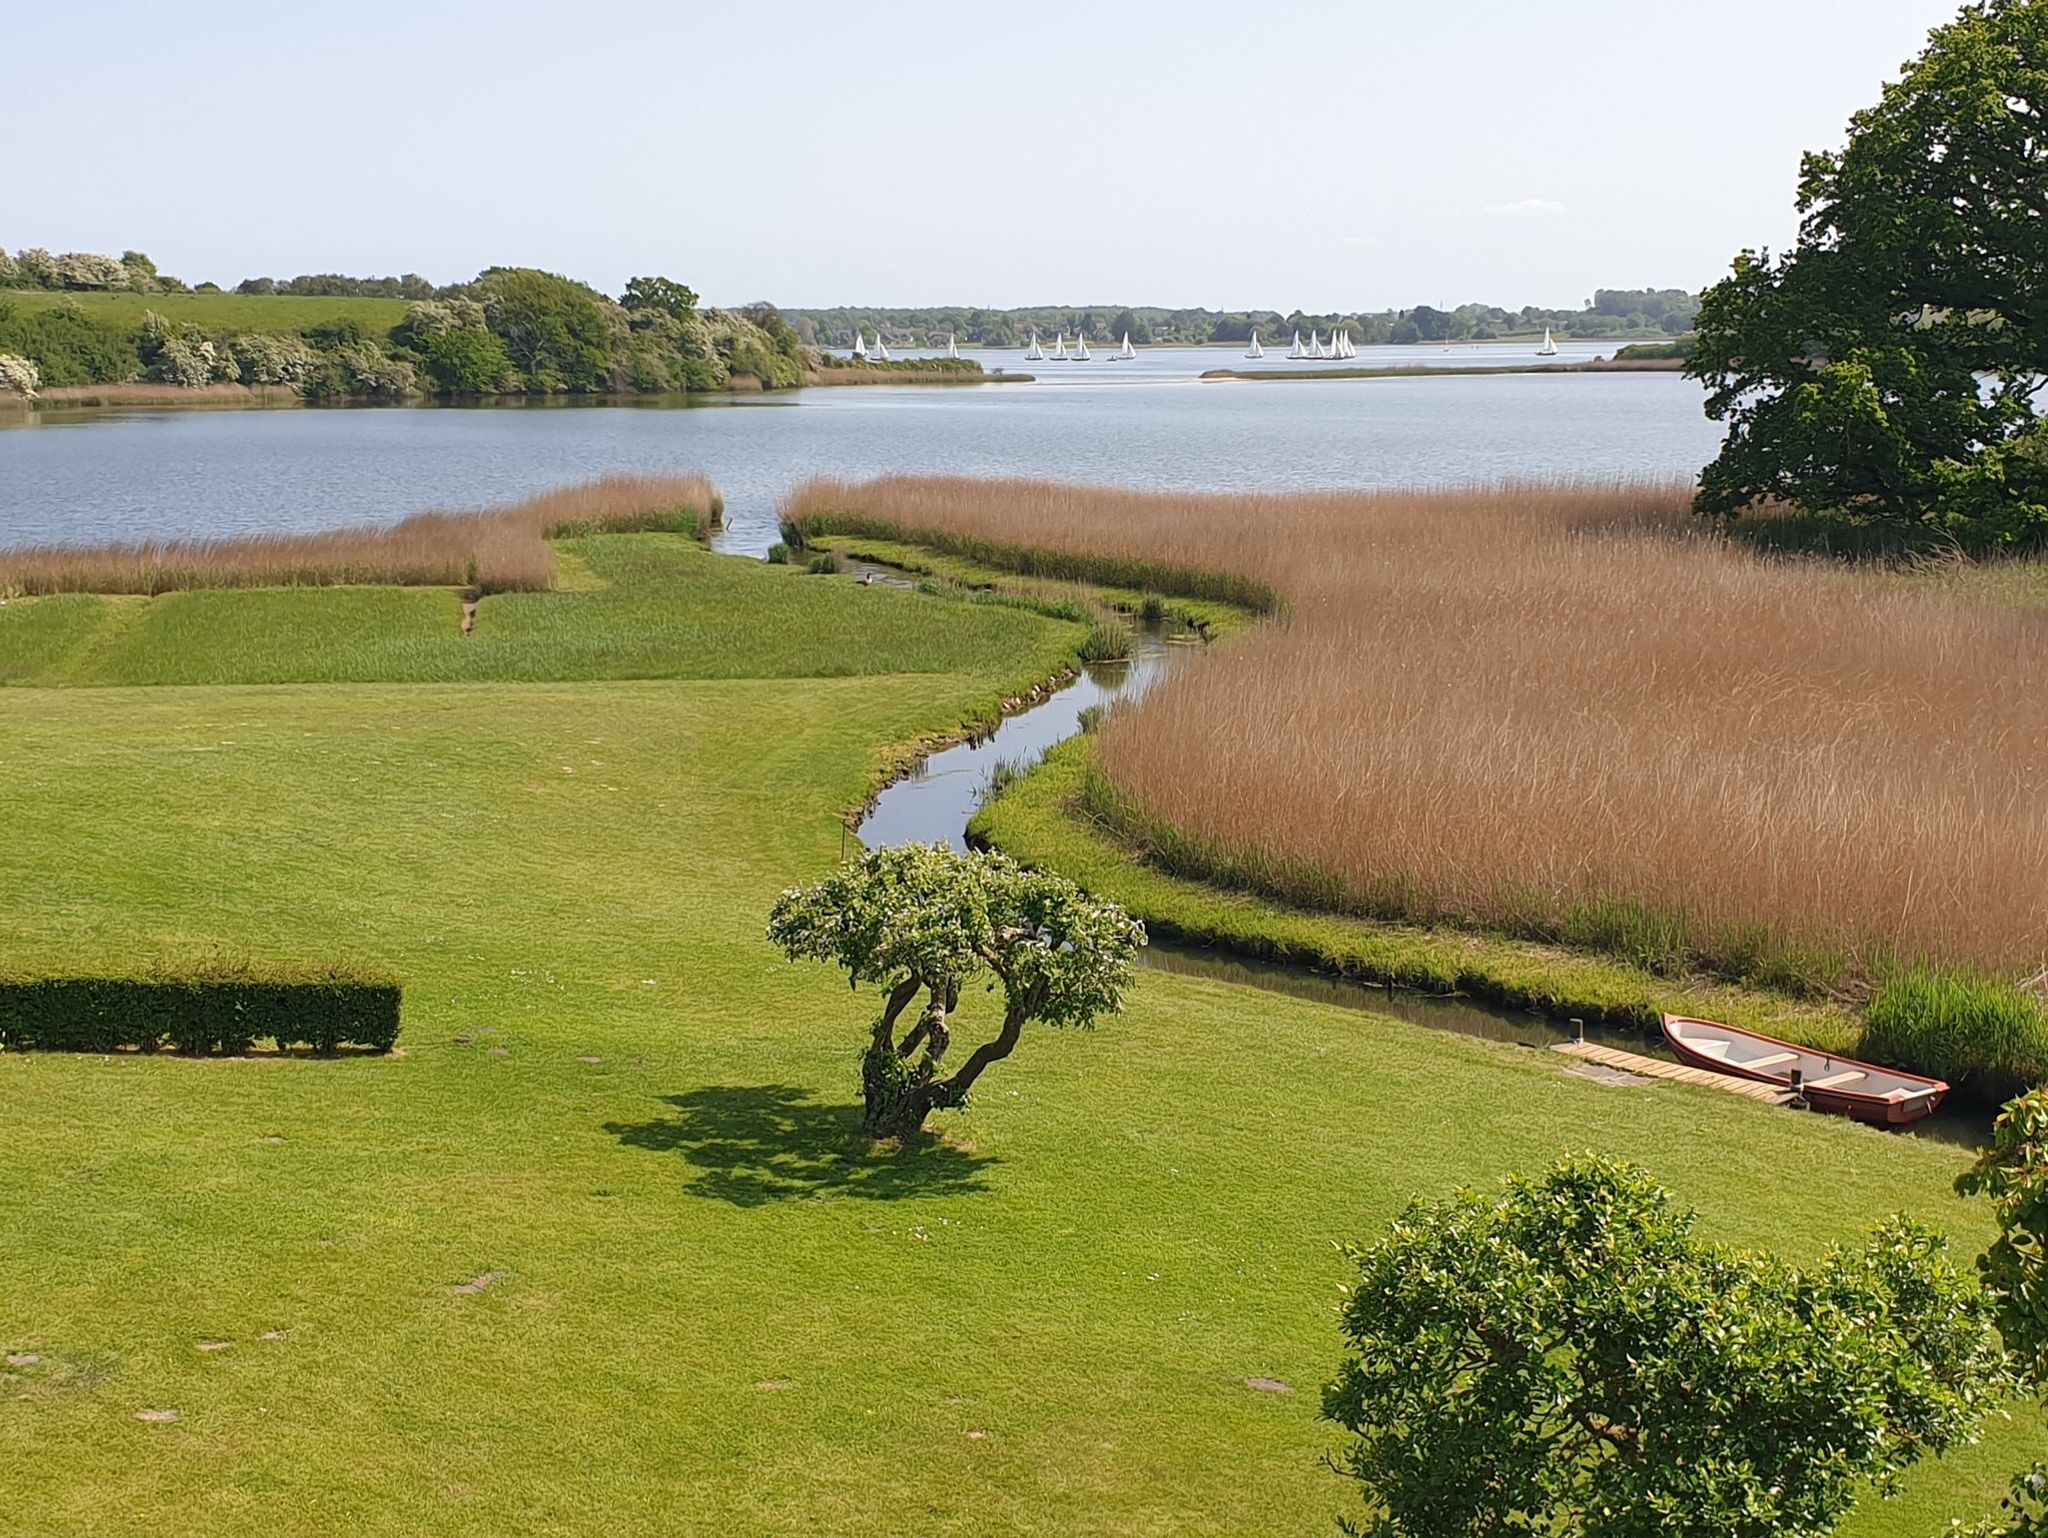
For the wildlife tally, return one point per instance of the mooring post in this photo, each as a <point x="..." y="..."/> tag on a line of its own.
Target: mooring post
<point x="1579" y="1032"/>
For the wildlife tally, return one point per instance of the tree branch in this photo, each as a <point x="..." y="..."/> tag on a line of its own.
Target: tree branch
<point x="955" y="1089"/>
<point x="899" y="1000"/>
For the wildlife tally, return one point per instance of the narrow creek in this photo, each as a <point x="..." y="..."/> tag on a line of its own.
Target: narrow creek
<point x="934" y="802"/>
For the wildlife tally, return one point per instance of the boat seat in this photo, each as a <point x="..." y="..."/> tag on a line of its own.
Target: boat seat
<point x="1908" y="1094"/>
<point x="1766" y="1062"/>
<point x="1836" y="1080"/>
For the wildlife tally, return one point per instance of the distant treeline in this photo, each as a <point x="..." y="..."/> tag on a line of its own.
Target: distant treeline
<point x="508" y="331"/>
<point x="1612" y="312"/>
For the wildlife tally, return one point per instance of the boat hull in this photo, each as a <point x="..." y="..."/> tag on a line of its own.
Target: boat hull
<point x="1910" y="1098"/>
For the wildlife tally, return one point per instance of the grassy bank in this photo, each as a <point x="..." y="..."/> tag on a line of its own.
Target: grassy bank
<point x="599" y="1250"/>
<point x="917" y="514"/>
<point x="1212" y="619"/>
<point x="833" y="370"/>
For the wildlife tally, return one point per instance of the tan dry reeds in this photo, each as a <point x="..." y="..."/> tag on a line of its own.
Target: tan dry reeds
<point x="499" y="549"/>
<point x="1516" y="706"/>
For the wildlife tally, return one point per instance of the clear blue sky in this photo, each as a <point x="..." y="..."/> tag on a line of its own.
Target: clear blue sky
<point x="1321" y="153"/>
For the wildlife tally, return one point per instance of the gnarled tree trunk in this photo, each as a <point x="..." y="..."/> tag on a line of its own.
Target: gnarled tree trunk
<point x="901" y="1095"/>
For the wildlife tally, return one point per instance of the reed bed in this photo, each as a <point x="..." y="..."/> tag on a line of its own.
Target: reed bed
<point x="1563" y="710"/>
<point x="495" y="549"/>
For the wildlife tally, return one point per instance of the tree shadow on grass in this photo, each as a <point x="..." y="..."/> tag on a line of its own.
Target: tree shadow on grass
<point x="760" y="1143"/>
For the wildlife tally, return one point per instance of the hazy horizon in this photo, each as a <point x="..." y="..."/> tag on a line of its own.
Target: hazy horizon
<point x="1352" y="157"/>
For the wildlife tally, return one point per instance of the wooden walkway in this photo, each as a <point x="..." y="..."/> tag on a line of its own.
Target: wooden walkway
<point x="1657" y="1068"/>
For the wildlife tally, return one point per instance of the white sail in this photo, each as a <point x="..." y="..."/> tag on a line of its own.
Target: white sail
<point x="1349" y="350"/>
<point x="1255" y="350"/>
<point x="1549" y="347"/>
<point x="952" y="345"/>
<point x="881" y="350"/>
<point x="860" y="345"/>
<point x="1081" y="353"/>
<point x="1059" y="353"/>
<point x="1298" y="350"/>
<point x="1127" y="350"/>
<point x="1034" y="353"/>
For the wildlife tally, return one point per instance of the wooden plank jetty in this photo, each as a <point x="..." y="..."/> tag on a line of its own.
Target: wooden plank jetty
<point x="1658" y="1068"/>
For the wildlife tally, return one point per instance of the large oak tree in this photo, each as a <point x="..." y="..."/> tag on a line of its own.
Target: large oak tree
<point x="1885" y="368"/>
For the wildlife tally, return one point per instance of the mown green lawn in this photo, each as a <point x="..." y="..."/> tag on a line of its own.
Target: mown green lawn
<point x="707" y="1309"/>
<point x="226" y="312"/>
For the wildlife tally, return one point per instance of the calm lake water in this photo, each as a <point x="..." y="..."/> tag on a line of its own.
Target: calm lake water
<point x="76" y="478"/>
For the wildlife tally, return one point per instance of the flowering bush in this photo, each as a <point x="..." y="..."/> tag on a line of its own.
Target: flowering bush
<point x="86" y="269"/>
<point x="266" y="357"/>
<point x="18" y="376"/>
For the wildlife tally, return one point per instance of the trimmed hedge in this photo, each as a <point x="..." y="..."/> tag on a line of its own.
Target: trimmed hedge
<point x="225" y="1010"/>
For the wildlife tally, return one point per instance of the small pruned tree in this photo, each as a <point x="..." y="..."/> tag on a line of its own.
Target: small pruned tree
<point x="922" y="920"/>
<point x="1569" y="1358"/>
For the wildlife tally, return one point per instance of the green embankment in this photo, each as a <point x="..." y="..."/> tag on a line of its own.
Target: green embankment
<point x="1213" y="619"/>
<point x="598" y="1250"/>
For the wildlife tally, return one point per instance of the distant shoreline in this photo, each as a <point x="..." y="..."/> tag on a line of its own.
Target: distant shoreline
<point x="1429" y="371"/>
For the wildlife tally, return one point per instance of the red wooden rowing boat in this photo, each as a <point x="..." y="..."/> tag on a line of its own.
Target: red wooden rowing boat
<point x="1883" y="1097"/>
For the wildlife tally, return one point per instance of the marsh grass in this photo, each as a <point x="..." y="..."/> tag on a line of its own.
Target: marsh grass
<point x="1561" y="710"/>
<point x="1988" y="1039"/>
<point x="498" y="549"/>
<point x="1108" y="640"/>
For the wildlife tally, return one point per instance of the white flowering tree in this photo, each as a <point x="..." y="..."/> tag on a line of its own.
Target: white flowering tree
<point x="921" y="919"/>
<point x="19" y="376"/>
<point x="88" y="270"/>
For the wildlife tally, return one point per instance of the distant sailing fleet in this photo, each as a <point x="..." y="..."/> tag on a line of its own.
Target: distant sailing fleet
<point x="1336" y="349"/>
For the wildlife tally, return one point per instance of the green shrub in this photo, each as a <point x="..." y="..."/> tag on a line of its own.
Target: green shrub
<point x="467" y="362"/>
<point x="69" y="346"/>
<point x="1989" y="1040"/>
<point x="1108" y="640"/>
<point x="778" y="554"/>
<point x="217" y="1007"/>
<point x="823" y="565"/>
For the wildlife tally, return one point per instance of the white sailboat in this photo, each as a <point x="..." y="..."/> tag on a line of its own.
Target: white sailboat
<point x="1081" y="353"/>
<point x="881" y="350"/>
<point x="1127" y="351"/>
<point x="1034" y="353"/>
<point x="1349" y="350"/>
<point x="1255" y="350"/>
<point x="860" y="344"/>
<point x="952" y="345"/>
<point x="1549" y="348"/>
<point x="1315" y="346"/>
<point x="1299" y="351"/>
<point x="1059" y="353"/>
